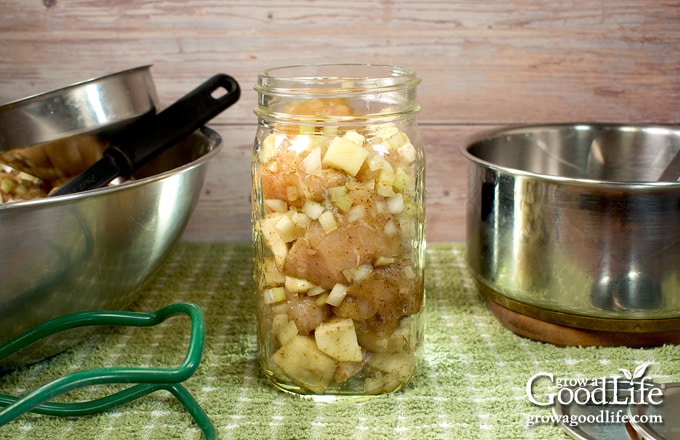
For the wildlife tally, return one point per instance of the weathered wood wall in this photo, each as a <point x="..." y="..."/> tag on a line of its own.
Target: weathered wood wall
<point x="483" y="65"/>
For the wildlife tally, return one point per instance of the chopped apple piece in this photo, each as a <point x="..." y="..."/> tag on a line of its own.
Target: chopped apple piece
<point x="354" y="136"/>
<point x="286" y="229"/>
<point x="316" y="290"/>
<point x="338" y="339"/>
<point x="276" y="205"/>
<point x="408" y="152"/>
<point x="269" y="147"/>
<point x="378" y="162"/>
<point x="312" y="163"/>
<point x="320" y="300"/>
<point x="279" y="320"/>
<point x="313" y="209"/>
<point x="286" y="332"/>
<point x="346" y="370"/>
<point x="292" y="193"/>
<point x="395" y="137"/>
<point x="337" y="294"/>
<point x="306" y="365"/>
<point x="345" y="155"/>
<point x="339" y="196"/>
<point x="327" y="221"/>
<point x="401" y="179"/>
<point x="301" y="220"/>
<point x="402" y="364"/>
<point x="274" y="295"/>
<point x="271" y="274"/>
<point x="273" y="240"/>
<point x="297" y="285"/>
<point x="384" y="261"/>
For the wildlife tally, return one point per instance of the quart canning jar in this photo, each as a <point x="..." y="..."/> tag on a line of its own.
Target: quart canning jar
<point x="339" y="228"/>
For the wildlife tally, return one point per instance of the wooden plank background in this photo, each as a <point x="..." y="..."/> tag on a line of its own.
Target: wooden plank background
<point x="483" y="65"/>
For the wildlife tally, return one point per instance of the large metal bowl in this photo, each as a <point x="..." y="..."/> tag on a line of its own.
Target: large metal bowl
<point x="92" y="250"/>
<point x="570" y="237"/>
<point x="94" y="106"/>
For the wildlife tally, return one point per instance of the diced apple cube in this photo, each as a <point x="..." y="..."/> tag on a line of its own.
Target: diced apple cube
<point x="402" y="364"/>
<point x="306" y="365"/>
<point x="276" y="205"/>
<point x="316" y="290"/>
<point x="385" y="183"/>
<point x="292" y="193"/>
<point x="313" y="209"/>
<point x="301" y="220"/>
<point x="273" y="240"/>
<point x="346" y="370"/>
<point x="408" y="152"/>
<point x="273" y="295"/>
<point x="297" y="285"/>
<point x="286" y="332"/>
<point x="396" y="138"/>
<point x="345" y="155"/>
<point x="286" y="229"/>
<point x="271" y="274"/>
<point x="320" y="300"/>
<point x="378" y="162"/>
<point x="338" y="339"/>
<point x="401" y="180"/>
<point x="312" y="163"/>
<point x="327" y="221"/>
<point x="386" y="131"/>
<point x="339" y="196"/>
<point x="269" y="147"/>
<point x="337" y="295"/>
<point x="354" y="136"/>
<point x="279" y="320"/>
<point x="384" y="261"/>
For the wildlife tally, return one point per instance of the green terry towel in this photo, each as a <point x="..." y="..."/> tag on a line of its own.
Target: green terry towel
<point x="472" y="383"/>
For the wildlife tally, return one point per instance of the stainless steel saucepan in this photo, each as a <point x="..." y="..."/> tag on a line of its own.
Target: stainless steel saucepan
<point x="570" y="236"/>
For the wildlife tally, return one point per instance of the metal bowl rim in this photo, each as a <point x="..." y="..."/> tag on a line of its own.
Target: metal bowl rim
<point x="209" y="133"/>
<point x="523" y="129"/>
<point x="38" y="96"/>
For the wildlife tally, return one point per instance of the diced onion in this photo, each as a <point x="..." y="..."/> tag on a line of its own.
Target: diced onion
<point x="356" y="213"/>
<point x="391" y="228"/>
<point x="395" y="205"/>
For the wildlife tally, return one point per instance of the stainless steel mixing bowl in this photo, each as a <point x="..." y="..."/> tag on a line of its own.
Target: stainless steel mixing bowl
<point x="567" y="226"/>
<point x="92" y="250"/>
<point x="93" y="106"/>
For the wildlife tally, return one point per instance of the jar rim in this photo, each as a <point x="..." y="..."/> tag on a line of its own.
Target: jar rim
<point x="333" y="78"/>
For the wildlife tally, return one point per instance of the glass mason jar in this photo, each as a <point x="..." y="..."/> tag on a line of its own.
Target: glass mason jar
<point x="339" y="228"/>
